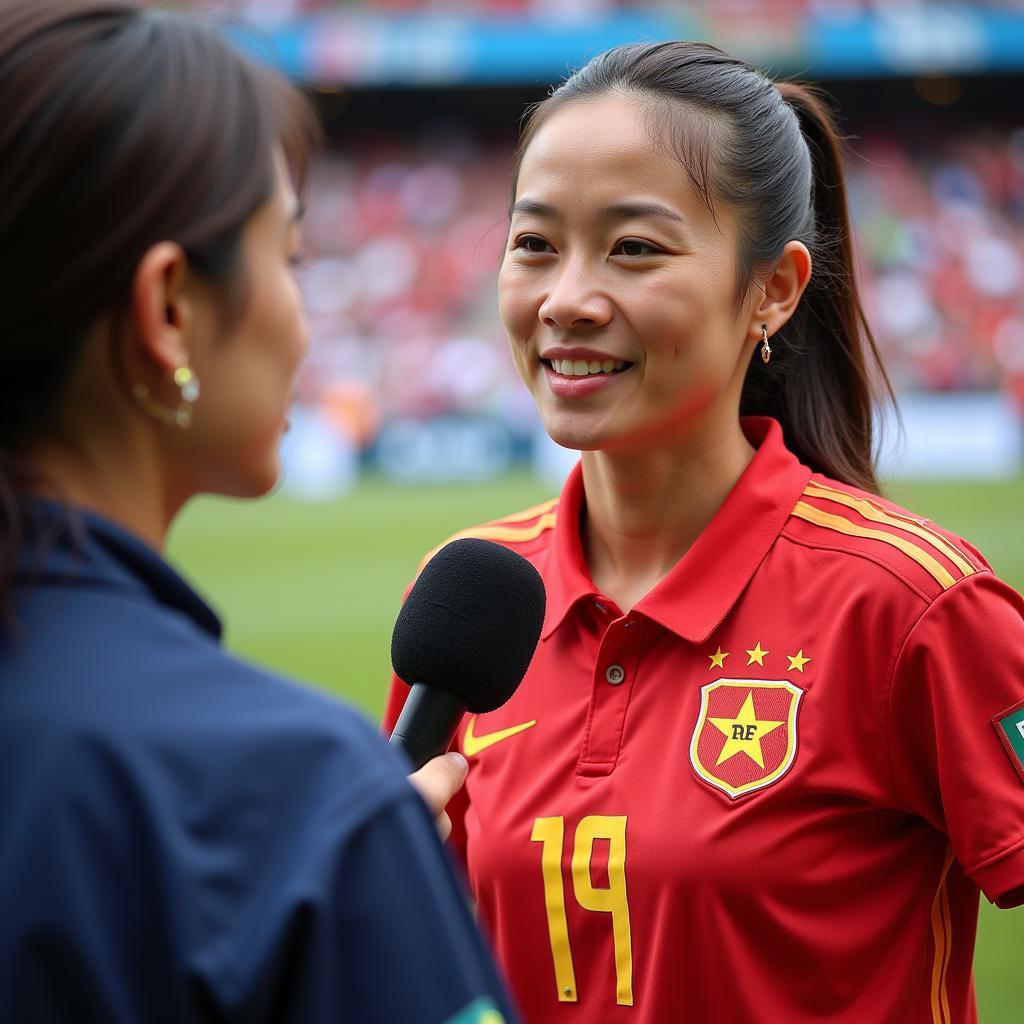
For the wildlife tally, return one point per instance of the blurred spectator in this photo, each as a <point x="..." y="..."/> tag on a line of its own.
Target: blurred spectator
<point x="404" y="248"/>
<point x="942" y="238"/>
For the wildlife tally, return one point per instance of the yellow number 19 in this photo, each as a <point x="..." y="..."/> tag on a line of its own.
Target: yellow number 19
<point x="550" y="832"/>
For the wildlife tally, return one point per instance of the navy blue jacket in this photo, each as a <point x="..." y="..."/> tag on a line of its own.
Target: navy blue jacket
<point x="184" y="837"/>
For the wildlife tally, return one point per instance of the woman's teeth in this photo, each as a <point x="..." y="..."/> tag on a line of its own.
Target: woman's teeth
<point x="583" y="367"/>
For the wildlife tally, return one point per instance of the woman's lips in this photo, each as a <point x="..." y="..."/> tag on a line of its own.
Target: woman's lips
<point x="581" y="385"/>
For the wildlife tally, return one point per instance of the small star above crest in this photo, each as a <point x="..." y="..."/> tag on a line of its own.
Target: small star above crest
<point x="718" y="658"/>
<point x="797" y="661"/>
<point x="757" y="655"/>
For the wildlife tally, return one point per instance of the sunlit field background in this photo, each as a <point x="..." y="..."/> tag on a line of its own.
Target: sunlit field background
<point x="312" y="590"/>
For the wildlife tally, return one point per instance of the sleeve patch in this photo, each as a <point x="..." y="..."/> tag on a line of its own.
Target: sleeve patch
<point x="480" y="1011"/>
<point x="1010" y="727"/>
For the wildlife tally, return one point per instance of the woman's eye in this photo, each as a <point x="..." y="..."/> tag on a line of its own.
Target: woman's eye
<point x="633" y="247"/>
<point x="298" y="259"/>
<point x="532" y="243"/>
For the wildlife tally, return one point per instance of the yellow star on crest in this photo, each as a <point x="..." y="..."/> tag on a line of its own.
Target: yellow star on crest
<point x="757" y="655"/>
<point x="797" y="661"/>
<point x="718" y="658"/>
<point x="743" y="733"/>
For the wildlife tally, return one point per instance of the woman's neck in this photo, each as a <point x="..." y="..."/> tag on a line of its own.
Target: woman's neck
<point x="103" y="454"/>
<point x="644" y="511"/>
<point x="114" y="477"/>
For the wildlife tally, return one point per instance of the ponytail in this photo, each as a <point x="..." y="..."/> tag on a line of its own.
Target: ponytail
<point x="828" y="376"/>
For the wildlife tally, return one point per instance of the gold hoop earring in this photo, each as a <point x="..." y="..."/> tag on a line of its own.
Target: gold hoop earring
<point x="766" y="349"/>
<point x="188" y="390"/>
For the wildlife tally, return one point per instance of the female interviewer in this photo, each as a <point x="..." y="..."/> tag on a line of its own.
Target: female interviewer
<point x="183" y="837"/>
<point x="770" y="747"/>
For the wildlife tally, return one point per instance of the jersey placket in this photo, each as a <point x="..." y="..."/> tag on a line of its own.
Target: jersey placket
<point x="614" y="676"/>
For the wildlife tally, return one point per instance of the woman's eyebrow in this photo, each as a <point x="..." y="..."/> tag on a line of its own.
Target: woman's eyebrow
<point x="626" y="210"/>
<point x="639" y="208"/>
<point x="534" y="206"/>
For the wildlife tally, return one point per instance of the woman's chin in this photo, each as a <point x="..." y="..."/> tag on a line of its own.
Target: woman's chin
<point x="578" y="437"/>
<point x="265" y="481"/>
<point x="253" y="481"/>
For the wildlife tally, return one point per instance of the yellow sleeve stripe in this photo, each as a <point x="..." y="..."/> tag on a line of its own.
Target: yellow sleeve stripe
<point x="530" y="513"/>
<point x="830" y="522"/>
<point x="877" y="514"/>
<point x="509" y="534"/>
<point x="942" y="933"/>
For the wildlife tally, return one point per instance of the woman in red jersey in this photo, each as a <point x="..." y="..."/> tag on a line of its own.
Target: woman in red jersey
<point x="771" y="746"/>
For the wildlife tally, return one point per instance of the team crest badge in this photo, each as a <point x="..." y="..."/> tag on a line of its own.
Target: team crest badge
<point x="745" y="736"/>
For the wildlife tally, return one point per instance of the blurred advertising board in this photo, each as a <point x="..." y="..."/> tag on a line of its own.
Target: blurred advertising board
<point x="363" y="48"/>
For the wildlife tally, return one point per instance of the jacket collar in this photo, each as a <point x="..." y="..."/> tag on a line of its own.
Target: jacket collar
<point x="699" y="592"/>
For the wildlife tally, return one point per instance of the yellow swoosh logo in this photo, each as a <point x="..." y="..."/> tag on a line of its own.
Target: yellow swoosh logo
<point x="474" y="744"/>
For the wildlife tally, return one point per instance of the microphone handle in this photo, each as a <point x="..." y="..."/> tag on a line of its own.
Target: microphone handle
<point x="427" y="723"/>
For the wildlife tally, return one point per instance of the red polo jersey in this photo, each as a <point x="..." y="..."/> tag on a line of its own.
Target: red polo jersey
<point x="773" y="789"/>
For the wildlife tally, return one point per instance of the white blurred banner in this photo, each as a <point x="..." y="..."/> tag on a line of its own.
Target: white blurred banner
<point x="961" y="434"/>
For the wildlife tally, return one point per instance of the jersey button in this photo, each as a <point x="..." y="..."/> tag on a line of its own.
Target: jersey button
<point x="615" y="674"/>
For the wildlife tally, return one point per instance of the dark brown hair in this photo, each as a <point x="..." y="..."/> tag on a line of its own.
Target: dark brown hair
<point x="773" y="153"/>
<point x="121" y="128"/>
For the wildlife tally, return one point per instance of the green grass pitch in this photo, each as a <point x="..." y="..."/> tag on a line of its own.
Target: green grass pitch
<point x="312" y="590"/>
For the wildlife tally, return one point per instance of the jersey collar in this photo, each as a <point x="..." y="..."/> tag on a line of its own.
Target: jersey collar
<point x="69" y="547"/>
<point x="704" y="585"/>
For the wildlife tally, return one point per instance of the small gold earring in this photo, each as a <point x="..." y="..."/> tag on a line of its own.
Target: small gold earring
<point x="188" y="388"/>
<point x="766" y="349"/>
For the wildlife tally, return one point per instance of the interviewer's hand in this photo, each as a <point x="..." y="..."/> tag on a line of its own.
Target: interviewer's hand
<point x="438" y="781"/>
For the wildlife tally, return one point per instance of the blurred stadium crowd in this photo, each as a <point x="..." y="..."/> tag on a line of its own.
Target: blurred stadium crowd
<point x="405" y="233"/>
<point x="404" y="244"/>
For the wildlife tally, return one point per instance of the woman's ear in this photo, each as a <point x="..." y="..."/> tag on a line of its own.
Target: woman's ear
<point x="161" y="310"/>
<point x="782" y="290"/>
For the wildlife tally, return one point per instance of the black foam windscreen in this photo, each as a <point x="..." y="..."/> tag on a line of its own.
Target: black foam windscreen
<point x="471" y="623"/>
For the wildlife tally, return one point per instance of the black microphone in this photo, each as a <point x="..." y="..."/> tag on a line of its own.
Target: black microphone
<point x="463" y="640"/>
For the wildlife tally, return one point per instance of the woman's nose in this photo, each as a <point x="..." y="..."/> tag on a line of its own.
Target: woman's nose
<point x="575" y="300"/>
